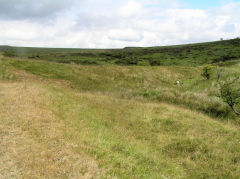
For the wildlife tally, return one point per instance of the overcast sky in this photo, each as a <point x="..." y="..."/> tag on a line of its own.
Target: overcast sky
<point x="116" y="23"/>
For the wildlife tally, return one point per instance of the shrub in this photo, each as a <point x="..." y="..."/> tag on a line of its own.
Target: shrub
<point x="5" y="72"/>
<point x="9" y="54"/>
<point x="230" y="93"/>
<point x="143" y="63"/>
<point x="207" y="71"/>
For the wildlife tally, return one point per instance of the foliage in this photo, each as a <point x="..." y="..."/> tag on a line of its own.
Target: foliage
<point x="207" y="71"/>
<point x="9" y="54"/>
<point x="5" y="71"/>
<point x="230" y="93"/>
<point x="143" y="63"/>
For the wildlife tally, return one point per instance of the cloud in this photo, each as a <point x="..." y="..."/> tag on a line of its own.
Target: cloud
<point x="32" y="9"/>
<point x="125" y="35"/>
<point x="130" y="9"/>
<point x="113" y="24"/>
<point x="228" y="28"/>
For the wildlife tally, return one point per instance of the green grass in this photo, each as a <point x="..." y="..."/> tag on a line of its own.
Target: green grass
<point x="131" y="139"/>
<point x="6" y="71"/>
<point x="144" y="83"/>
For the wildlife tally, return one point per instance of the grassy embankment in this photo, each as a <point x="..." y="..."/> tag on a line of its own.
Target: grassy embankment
<point x="149" y="83"/>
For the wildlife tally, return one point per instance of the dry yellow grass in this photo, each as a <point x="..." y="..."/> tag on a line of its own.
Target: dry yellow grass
<point x="31" y="144"/>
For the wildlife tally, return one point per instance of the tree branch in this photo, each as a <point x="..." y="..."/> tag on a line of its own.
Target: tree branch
<point x="235" y="111"/>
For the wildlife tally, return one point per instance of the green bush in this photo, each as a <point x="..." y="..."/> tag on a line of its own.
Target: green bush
<point x="206" y="104"/>
<point x="230" y="93"/>
<point x="9" y="54"/>
<point x="5" y="72"/>
<point x="207" y="71"/>
<point x="143" y="63"/>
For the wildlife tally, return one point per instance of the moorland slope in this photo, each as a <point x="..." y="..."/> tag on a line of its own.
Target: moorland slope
<point x="126" y="121"/>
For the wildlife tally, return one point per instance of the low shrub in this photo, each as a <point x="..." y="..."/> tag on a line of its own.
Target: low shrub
<point x="9" y="54"/>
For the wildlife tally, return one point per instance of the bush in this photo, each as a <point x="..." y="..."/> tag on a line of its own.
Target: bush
<point x="5" y="72"/>
<point x="207" y="71"/>
<point x="209" y="105"/>
<point x="230" y="93"/>
<point x="9" y="54"/>
<point x="143" y="63"/>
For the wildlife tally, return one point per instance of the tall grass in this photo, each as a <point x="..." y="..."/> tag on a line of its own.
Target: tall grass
<point x="6" y="71"/>
<point x="210" y="105"/>
<point x="151" y="83"/>
<point x="146" y="140"/>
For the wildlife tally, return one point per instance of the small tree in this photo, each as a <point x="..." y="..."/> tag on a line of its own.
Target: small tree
<point x="230" y="93"/>
<point x="207" y="71"/>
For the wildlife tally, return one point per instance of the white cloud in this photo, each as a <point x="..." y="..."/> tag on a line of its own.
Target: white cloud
<point x="125" y="35"/>
<point x="130" y="9"/>
<point x="112" y="24"/>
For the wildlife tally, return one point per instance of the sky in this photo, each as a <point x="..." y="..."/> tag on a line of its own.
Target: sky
<point x="203" y="4"/>
<point x="116" y="24"/>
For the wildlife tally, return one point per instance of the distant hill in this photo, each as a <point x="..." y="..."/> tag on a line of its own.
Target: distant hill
<point x="184" y="55"/>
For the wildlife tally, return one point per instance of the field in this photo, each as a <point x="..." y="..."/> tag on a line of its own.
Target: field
<point x="82" y="113"/>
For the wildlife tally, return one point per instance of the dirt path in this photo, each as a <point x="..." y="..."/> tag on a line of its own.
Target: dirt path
<point x="31" y="141"/>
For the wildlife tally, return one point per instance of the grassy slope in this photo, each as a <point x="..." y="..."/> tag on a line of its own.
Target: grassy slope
<point x="184" y="55"/>
<point x="71" y="121"/>
<point x="92" y="121"/>
<point x="59" y="132"/>
<point x="146" y="83"/>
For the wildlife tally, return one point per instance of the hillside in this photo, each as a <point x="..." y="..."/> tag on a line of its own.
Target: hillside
<point x="183" y="55"/>
<point x="125" y="121"/>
